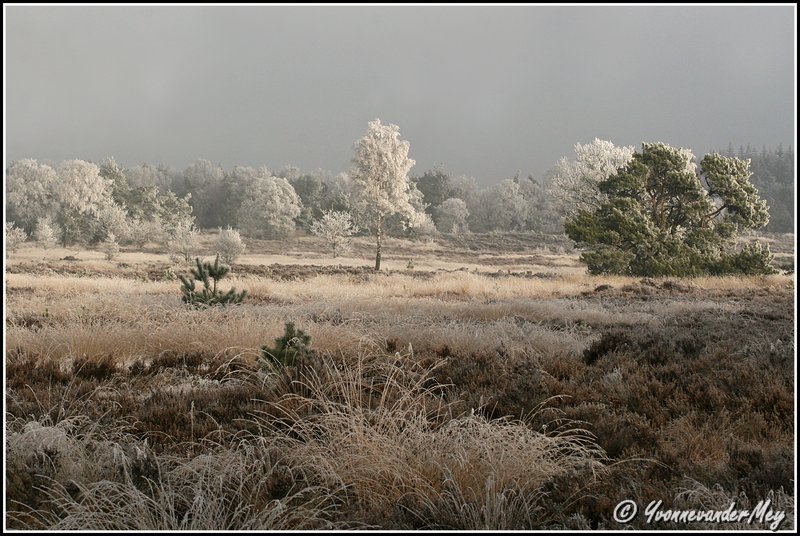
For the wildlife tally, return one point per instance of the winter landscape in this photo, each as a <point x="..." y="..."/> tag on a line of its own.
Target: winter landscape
<point x="598" y="334"/>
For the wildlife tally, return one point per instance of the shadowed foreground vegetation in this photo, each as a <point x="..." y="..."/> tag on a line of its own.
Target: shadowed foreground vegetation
<point x="433" y="399"/>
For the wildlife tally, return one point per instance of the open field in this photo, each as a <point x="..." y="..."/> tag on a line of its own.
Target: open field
<point x="492" y="386"/>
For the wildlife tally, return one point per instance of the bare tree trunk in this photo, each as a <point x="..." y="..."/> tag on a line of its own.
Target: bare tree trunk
<point x="380" y="237"/>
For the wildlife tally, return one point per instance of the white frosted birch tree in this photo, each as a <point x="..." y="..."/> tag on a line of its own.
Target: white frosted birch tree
<point x="183" y="240"/>
<point x="336" y="228"/>
<point x="575" y="183"/>
<point x="380" y="178"/>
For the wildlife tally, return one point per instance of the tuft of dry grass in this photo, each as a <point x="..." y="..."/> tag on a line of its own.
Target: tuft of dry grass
<point x="382" y="429"/>
<point x="244" y="486"/>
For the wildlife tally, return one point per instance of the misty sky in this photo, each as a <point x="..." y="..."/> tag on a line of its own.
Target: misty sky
<point x="483" y="91"/>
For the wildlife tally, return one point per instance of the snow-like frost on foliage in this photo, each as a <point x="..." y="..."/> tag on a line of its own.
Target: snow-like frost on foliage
<point x="113" y="219"/>
<point x="46" y="233"/>
<point x="380" y="172"/>
<point x="660" y="217"/>
<point x="381" y="185"/>
<point x="508" y="206"/>
<point x="29" y="190"/>
<point x="14" y="237"/>
<point x="229" y="245"/>
<point x="270" y="209"/>
<point x="336" y="227"/>
<point x="575" y="182"/>
<point x="451" y="216"/>
<point x="183" y="240"/>
<point x="80" y="187"/>
<point x="149" y="175"/>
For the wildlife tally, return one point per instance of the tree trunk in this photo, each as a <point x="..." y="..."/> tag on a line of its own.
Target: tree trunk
<point x="380" y="237"/>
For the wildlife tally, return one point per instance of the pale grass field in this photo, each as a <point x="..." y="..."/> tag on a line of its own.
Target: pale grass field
<point x="423" y="260"/>
<point x="132" y="319"/>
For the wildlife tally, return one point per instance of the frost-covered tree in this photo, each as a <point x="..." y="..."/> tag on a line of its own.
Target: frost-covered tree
<point x="229" y="245"/>
<point x="419" y="226"/>
<point x="508" y="207"/>
<point x="312" y="188"/>
<point x="116" y="178"/>
<point x="380" y="178"/>
<point x="435" y="186"/>
<point x="451" y="216"/>
<point x="205" y="181"/>
<point x="467" y="189"/>
<point x="112" y="218"/>
<point x="149" y="175"/>
<point x="237" y="185"/>
<point x="290" y="173"/>
<point x="339" y="193"/>
<point x="501" y="207"/>
<point x="660" y="217"/>
<point x="542" y="214"/>
<point x="80" y="186"/>
<point x="72" y="195"/>
<point x="774" y="176"/>
<point x="416" y="224"/>
<point x="142" y="231"/>
<point x="270" y="209"/>
<point x="464" y="188"/>
<point x="148" y="202"/>
<point x="575" y="183"/>
<point x="14" y="237"/>
<point x="336" y="228"/>
<point x="29" y="192"/>
<point x="183" y="240"/>
<point x="78" y="194"/>
<point x="46" y="233"/>
<point x="110" y="247"/>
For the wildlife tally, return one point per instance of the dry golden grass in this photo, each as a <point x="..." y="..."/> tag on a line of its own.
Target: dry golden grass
<point x="381" y="430"/>
<point x="444" y="286"/>
<point x="128" y="319"/>
<point x="105" y="479"/>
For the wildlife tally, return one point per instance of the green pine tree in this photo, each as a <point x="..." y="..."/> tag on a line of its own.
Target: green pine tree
<point x="209" y="275"/>
<point x="289" y="349"/>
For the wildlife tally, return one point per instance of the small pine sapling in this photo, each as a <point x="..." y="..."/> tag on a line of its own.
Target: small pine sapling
<point x="291" y="347"/>
<point x="208" y="274"/>
<point x="110" y="247"/>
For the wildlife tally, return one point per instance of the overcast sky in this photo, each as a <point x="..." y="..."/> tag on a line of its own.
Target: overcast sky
<point x="483" y="91"/>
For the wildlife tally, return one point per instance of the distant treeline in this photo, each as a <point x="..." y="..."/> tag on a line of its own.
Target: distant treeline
<point x="81" y="201"/>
